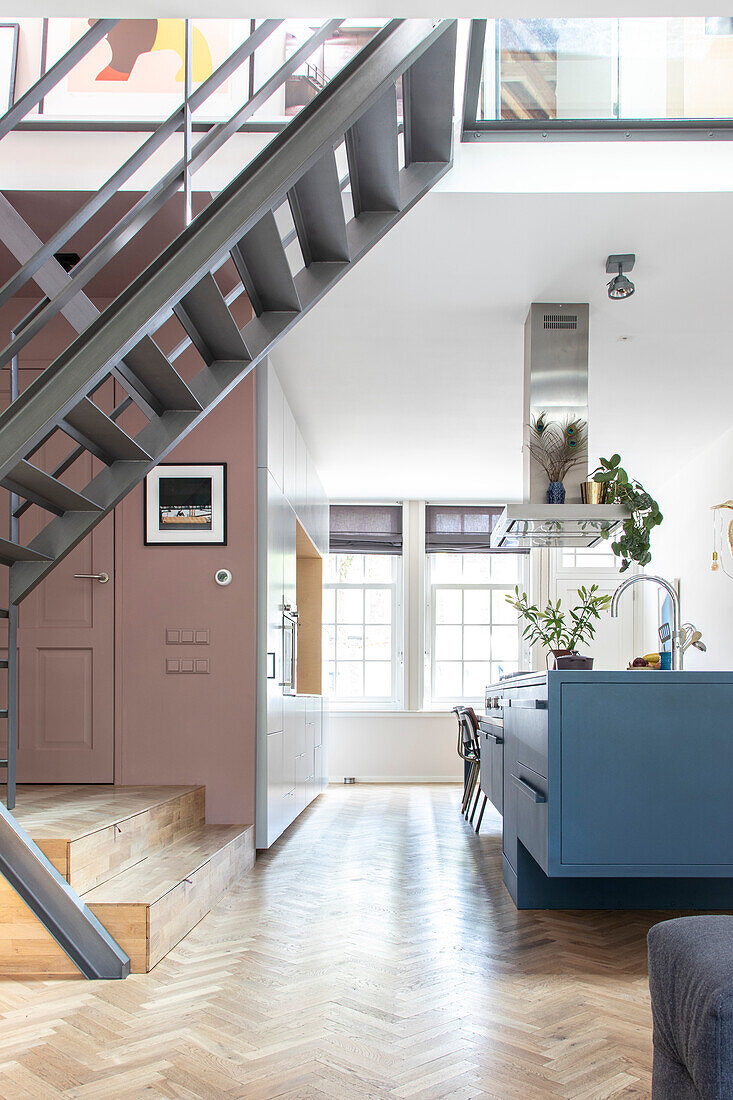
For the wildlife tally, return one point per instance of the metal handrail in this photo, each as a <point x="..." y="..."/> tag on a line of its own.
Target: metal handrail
<point x="138" y="158"/>
<point x="52" y="76"/>
<point x="131" y="222"/>
<point x="262" y="184"/>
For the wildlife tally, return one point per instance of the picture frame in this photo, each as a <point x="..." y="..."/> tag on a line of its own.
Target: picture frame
<point x="9" y="34"/>
<point x="185" y="504"/>
<point x="97" y="88"/>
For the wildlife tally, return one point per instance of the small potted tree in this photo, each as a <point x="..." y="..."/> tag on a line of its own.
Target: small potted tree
<point x="561" y="631"/>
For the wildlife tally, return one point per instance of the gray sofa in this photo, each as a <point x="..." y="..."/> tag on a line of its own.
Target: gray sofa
<point x="691" y="983"/>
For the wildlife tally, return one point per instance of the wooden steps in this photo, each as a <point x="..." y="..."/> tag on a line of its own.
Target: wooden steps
<point x="142" y="858"/>
<point x="154" y="904"/>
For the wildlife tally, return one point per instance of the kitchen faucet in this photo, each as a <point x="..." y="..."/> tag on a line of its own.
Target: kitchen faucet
<point x="677" y="633"/>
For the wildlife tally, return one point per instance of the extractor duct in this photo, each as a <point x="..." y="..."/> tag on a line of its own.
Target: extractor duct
<point x="556" y="383"/>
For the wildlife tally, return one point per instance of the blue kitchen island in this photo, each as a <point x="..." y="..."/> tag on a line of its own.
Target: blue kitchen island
<point x="616" y="788"/>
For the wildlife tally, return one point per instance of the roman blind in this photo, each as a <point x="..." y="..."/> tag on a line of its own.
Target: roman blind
<point x="460" y="528"/>
<point x="366" y="529"/>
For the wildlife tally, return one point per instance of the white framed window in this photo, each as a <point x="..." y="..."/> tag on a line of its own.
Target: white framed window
<point x="590" y="559"/>
<point x="362" y="630"/>
<point x="474" y="635"/>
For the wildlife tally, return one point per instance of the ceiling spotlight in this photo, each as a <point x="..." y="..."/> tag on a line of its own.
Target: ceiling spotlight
<point x="620" y="286"/>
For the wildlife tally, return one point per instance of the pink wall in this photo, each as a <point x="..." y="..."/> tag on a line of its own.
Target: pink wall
<point x="184" y="728"/>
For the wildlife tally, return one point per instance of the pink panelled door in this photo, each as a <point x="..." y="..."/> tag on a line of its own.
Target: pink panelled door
<point x="66" y="647"/>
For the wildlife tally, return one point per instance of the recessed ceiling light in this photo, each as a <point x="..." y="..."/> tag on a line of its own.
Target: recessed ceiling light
<point x="620" y="287"/>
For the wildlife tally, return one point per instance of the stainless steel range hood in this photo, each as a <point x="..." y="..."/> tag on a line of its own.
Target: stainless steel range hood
<point x="555" y="382"/>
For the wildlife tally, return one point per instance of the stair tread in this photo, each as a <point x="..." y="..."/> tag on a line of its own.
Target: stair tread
<point x="11" y="552"/>
<point x="88" y="425"/>
<point x="41" y="488"/>
<point x="68" y="812"/>
<point x="148" y="881"/>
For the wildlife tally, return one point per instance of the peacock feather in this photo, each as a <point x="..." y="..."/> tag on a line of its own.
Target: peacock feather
<point x="558" y="446"/>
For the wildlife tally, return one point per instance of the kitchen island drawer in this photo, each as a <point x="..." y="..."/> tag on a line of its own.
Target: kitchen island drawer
<point x="526" y="727"/>
<point x="529" y="789"/>
<point x="491" y="737"/>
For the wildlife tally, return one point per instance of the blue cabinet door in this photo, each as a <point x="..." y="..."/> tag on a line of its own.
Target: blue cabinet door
<point x="646" y="776"/>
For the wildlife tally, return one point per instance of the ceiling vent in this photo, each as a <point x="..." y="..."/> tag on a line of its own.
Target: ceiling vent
<point x="558" y="320"/>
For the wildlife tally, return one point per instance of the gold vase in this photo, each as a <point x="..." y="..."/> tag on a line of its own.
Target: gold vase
<point x="593" y="492"/>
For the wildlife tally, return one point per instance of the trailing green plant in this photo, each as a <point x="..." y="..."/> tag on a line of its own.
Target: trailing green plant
<point x="635" y="542"/>
<point x="557" y="446"/>
<point x="556" y="628"/>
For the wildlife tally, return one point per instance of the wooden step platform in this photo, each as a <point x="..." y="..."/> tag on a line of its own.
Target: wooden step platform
<point x="142" y="858"/>
<point x="93" y="832"/>
<point x="151" y="906"/>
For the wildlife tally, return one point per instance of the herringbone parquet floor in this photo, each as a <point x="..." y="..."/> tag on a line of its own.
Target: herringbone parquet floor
<point x="372" y="953"/>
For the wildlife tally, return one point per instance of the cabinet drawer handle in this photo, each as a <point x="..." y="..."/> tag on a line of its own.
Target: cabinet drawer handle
<point x="528" y="789"/>
<point x="524" y="704"/>
<point x="494" y="737"/>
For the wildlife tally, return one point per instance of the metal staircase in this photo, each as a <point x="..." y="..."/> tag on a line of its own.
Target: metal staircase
<point x="390" y="166"/>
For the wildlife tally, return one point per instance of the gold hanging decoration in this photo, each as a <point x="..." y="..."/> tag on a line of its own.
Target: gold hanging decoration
<point x="717" y="562"/>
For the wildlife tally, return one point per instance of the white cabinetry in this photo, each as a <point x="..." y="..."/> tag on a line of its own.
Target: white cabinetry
<point x="290" y="456"/>
<point x="289" y="558"/>
<point x="277" y="522"/>
<point x="292" y="746"/>
<point x="275" y="787"/>
<point x="271" y="426"/>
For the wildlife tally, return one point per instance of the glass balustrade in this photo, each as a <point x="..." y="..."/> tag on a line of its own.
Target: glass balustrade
<point x="606" y="70"/>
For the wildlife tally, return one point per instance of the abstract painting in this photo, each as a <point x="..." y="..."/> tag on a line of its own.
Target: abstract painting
<point x="137" y="70"/>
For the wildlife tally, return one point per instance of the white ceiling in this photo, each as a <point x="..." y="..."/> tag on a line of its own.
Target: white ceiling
<point x="406" y="379"/>
<point x="356" y="8"/>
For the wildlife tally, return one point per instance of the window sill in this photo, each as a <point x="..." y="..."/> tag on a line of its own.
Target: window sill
<point x="433" y="713"/>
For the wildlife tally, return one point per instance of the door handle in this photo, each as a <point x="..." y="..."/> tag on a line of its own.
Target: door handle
<point x="101" y="577"/>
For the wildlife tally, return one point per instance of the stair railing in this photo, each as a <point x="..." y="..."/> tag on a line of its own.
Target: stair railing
<point x="10" y="714"/>
<point x="140" y="214"/>
<point x="15" y="511"/>
<point x="141" y="155"/>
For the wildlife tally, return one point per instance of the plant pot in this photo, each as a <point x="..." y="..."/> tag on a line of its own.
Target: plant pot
<point x="592" y="492"/>
<point x="555" y="653"/>
<point x="574" y="662"/>
<point x="556" y="493"/>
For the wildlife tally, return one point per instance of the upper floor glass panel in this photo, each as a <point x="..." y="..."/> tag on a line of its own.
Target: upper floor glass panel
<point x="136" y="72"/>
<point x="631" y="69"/>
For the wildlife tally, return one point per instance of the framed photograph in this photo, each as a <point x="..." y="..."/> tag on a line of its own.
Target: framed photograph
<point x="8" y="64"/>
<point x="186" y="505"/>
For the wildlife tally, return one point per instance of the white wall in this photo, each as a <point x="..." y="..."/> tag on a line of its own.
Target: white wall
<point x="682" y="548"/>
<point x="387" y="748"/>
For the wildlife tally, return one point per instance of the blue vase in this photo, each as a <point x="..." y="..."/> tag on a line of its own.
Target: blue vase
<point x="556" y="493"/>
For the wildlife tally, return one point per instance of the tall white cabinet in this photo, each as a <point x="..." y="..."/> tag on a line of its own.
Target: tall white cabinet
<point x="292" y="730"/>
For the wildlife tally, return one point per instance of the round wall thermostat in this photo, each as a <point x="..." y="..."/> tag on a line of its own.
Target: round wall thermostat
<point x="223" y="577"/>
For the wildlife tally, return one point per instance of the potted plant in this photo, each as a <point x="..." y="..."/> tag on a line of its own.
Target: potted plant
<point x="561" y="631"/>
<point x="634" y="544"/>
<point x="557" y="447"/>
